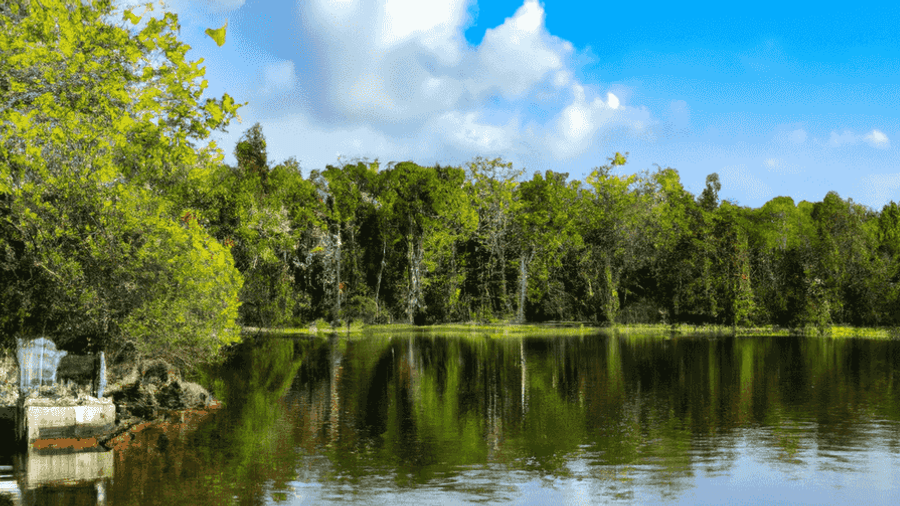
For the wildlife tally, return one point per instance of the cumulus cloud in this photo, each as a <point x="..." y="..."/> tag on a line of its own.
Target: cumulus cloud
<point x="517" y="55"/>
<point x="412" y="71"/>
<point x="400" y="74"/>
<point x="877" y="139"/>
<point x="470" y="133"/>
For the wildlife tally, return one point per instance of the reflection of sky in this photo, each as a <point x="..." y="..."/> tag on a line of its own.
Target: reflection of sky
<point x="751" y="471"/>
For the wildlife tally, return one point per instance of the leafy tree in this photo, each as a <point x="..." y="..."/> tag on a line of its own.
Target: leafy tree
<point x="889" y="230"/>
<point x="251" y="155"/>
<point x="545" y="225"/>
<point x="432" y="213"/>
<point x="348" y="194"/>
<point x="709" y="199"/>
<point x="735" y="278"/>
<point x="671" y="234"/>
<point x="492" y="189"/>
<point x="846" y="244"/>
<point x="97" y="164"/>
<point x="613" y="218"/>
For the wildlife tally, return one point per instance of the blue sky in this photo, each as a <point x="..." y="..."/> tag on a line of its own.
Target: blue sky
<point x="778" y="100"/>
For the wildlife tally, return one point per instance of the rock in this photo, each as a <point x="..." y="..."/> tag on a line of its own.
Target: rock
<point x="159" y="387"/>
<point x="181" y="394"/>
<point x="136" y="400"/>
<point x="158" y="371"/>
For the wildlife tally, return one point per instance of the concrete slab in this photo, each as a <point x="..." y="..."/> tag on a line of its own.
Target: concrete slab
<point x="44" y="418"/>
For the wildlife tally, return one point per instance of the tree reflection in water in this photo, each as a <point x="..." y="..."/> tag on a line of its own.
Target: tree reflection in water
<point x="433" y="418"/>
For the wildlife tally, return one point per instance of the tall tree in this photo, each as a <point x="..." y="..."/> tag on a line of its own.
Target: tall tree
<point x="97" y="157"/>
<point x="432" y="212"/>
<point x="545" y="224"/>
<point x="492" y="189"/>
<point x="612" y="222"/>
<point x="671" y="234"/>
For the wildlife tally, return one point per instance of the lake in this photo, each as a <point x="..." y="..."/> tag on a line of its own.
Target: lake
<point x="418" y="418"/>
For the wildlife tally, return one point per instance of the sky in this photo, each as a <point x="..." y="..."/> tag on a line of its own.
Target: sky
<point x="779" y="100"/>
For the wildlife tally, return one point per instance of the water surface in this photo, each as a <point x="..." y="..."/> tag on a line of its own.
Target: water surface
<point x="424" y="419"/>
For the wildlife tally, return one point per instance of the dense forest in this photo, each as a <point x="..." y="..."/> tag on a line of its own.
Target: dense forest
<point x="406" y="243"/>
<point x="120" y="223"/>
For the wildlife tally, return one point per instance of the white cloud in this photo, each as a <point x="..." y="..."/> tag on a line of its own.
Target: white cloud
<point x="561" y="78"/>
<point x="877" y="139"/>
<point x="516" y="55"/>
<point x="404" y="68"/>
<point x="580" y="122"/>
<point x="797" y="136"/>
<point x="434" y="24"/>
<point x="846" y="138"/>
<point x="612" y="101"/>
<point x="467" y="132"/>
<point x="278" y="77"/>
<point x="397" y="79"/>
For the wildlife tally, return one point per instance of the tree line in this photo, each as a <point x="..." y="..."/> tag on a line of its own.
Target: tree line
<point x="407" y="243"/>
<point x="120" y="223"/>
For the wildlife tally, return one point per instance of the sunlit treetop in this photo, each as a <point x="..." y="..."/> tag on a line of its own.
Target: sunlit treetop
<point x="124" y="92"/>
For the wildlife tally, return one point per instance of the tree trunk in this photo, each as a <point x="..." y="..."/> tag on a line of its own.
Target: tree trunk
<point x="523" y="283"/>
<point x="507" y="307"/>
<point x="337" y="280"/>
<point x="610" y="293"/>
<point x="380" y="272"/>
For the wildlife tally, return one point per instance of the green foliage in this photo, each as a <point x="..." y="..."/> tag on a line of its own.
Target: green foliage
<point x="98" y="165"/>
<point x="545" y="225"/>
<point x="613" y="218"/>
<point x="261" y="215"/>
<point x="217" y="35"/>
<point x="431" y="212"/>
<point x="119" y="223"/>
<point x="491" y="189"/>
<point x="709" y="199"/>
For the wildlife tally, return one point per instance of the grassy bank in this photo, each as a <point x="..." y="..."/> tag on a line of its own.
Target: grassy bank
<point x="570" y="328"/>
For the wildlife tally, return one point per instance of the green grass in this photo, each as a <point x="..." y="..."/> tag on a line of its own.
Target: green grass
<point x="501" y="330"/>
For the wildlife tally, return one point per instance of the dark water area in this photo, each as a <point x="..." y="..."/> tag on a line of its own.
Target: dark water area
<point x="419" y="419"/>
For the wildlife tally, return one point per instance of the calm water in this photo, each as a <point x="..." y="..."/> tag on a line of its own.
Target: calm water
<point x="577" y="420"/>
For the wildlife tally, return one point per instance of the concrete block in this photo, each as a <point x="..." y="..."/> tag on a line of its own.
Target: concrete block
<point x="42" y="419"/>
<point x="54" y="467"/>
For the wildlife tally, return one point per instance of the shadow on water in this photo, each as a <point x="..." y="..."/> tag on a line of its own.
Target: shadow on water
<point x="447" y="419"/>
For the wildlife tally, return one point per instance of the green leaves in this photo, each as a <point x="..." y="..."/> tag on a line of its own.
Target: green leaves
<point x="94" y="175"/>
<point x="217" y="35"/>
<point x="131" y="17"/>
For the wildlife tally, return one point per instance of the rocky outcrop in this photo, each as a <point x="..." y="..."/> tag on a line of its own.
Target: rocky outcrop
<point x="183" y="395"/>
<point x="156" y="386"/>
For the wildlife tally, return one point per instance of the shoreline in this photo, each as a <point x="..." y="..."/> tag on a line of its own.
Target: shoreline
<point x="577" y="328"/>
<point x="144" y="393"/>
